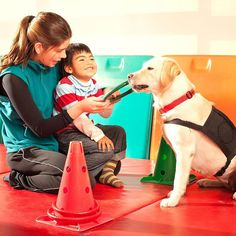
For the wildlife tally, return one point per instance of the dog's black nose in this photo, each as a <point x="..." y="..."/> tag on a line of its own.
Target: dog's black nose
<point x="130" y="76"/>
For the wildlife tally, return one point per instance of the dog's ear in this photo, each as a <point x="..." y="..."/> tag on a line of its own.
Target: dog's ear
<point x="174" y="70"/>
<point x="169" y="71"/>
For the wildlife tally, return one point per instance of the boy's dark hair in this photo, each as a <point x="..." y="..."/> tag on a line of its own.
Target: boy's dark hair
<point x="72" y="49"/>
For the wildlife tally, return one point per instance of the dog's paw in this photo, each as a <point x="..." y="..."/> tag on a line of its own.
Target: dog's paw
<point x="169" y="202"/>
<point x="234" y="196"/>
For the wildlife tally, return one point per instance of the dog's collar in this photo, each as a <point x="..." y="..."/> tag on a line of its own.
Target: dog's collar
<point x="177" y="101"/>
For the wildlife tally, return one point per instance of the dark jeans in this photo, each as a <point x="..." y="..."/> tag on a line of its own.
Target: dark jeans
<point x="41" y="170"/>
<point x="36" y="169"/>
<point x="95" y="158"/>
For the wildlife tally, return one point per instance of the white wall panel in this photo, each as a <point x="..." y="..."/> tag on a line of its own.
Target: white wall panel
<point x="225" y="47"/>
<point x="135" y="26"/>
<point x="223" y="8"/>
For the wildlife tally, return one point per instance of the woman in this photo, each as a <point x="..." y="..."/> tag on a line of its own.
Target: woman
<point x="29" y="74"/>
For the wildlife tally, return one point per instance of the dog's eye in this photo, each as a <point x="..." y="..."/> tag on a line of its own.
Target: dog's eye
<point x="150" y="68"/>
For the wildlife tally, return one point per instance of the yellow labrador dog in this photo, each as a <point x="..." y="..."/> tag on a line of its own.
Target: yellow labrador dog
<point x="202" y="137"/>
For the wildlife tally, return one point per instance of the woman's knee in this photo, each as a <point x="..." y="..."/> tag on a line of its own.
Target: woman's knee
<point x="53" y="164"/>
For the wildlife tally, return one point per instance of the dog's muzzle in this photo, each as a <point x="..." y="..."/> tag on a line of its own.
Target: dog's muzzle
<point x="140" y="86"/>
<point x="136" y="87"/>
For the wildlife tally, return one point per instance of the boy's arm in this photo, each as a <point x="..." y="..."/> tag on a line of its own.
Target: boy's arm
<point x="86" y="126"/>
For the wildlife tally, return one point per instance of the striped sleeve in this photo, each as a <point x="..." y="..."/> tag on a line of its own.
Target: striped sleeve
<point x="99" y="91"/>
<point x="64" y="95"/>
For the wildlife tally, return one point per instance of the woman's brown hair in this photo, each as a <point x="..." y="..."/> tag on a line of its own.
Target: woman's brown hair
<point x="48" y="28"/>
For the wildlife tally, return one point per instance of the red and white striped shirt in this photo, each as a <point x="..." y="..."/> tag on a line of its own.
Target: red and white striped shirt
<point x="71" y="90"/>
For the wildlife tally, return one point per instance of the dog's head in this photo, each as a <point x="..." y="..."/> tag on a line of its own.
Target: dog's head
<point x="155" y="76"/>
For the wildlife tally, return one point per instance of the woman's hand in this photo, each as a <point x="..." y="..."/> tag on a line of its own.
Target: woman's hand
<point x="94" y="104"/>
<point x="105" y="144"/>
<point x="90" y="105"/>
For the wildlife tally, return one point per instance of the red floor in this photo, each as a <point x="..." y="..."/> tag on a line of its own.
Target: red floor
<point x="133" y="210"/>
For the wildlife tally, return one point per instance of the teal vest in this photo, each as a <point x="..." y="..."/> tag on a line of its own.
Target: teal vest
<point x="41" y="83"/>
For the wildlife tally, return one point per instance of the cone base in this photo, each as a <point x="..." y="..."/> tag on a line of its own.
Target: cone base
<point x="78" y="217"/>
<point x="76" y="221"/>
<point x="102" y="219"/>
<point x="153" y="179"/>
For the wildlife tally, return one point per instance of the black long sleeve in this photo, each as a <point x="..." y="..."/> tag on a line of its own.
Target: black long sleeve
<point x="17" y="91"/>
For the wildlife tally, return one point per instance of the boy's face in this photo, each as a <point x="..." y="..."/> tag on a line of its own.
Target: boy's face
<point x="83" y="66"/>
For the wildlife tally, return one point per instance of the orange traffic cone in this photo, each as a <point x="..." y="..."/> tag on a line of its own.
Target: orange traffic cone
<point x="75" y="207"/>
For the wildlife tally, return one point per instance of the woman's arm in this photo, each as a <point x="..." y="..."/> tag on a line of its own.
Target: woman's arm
<point x="32" y="117"/>
<point x="20" y="97"/>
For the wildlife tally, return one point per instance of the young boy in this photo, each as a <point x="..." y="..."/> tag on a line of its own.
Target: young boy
<point x="107" y="142"/>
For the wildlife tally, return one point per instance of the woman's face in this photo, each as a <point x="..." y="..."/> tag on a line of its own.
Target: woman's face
<point x="51" y="56"/>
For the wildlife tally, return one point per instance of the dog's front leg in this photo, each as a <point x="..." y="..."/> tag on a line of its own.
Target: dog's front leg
<point x="183" y="168"/>
<point x="183" y="143"/>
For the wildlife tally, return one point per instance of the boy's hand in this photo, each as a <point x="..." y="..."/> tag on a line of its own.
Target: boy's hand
<point x="113" y="95"/>
<point x="105" y="144"/>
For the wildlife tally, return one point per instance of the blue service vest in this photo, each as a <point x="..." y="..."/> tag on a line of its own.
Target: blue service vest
<point x="41" y="82"/>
